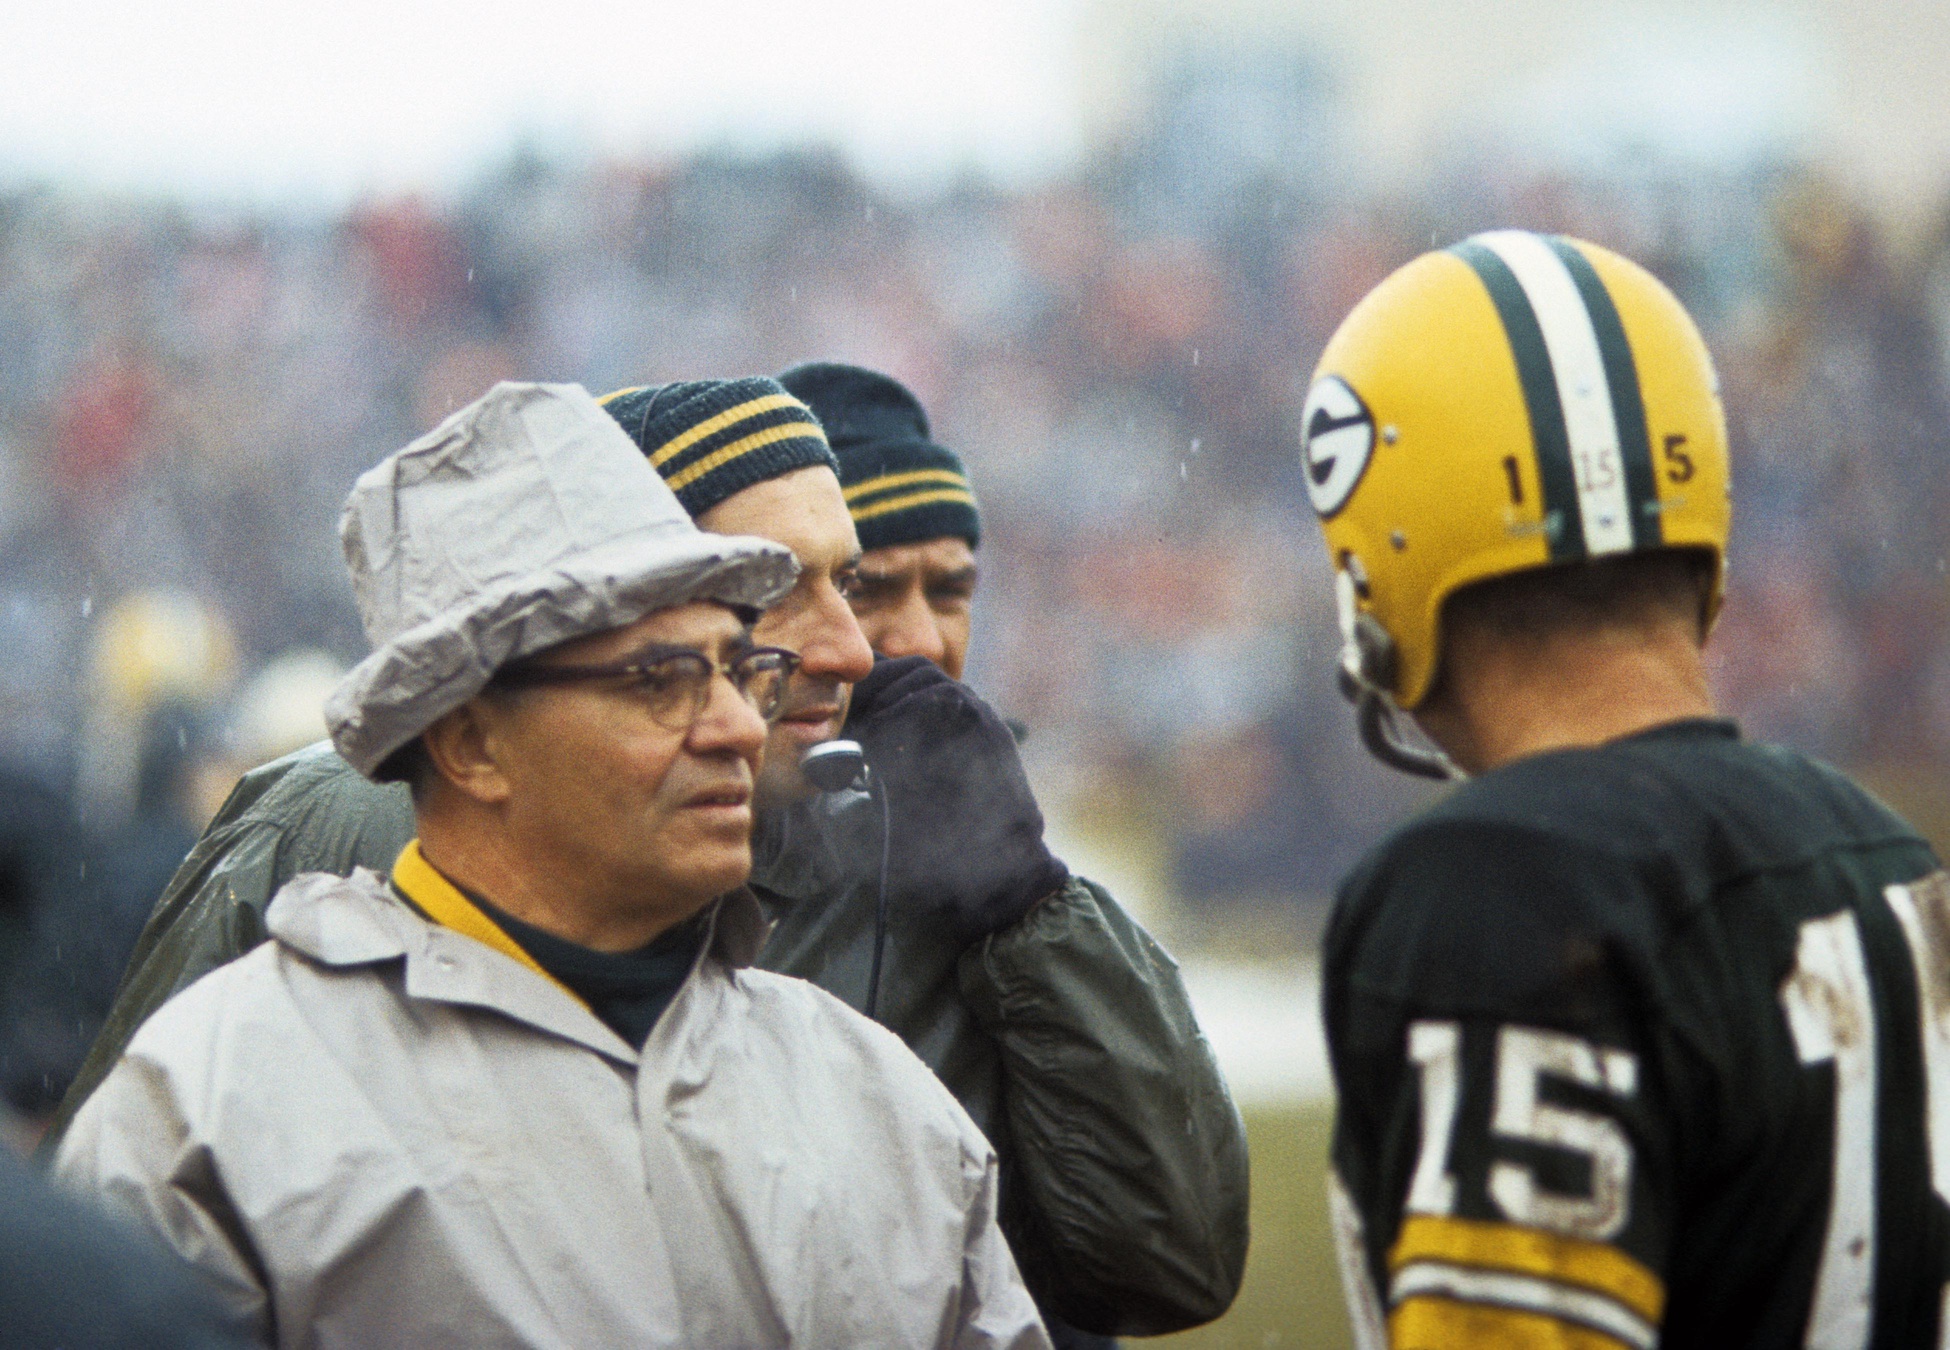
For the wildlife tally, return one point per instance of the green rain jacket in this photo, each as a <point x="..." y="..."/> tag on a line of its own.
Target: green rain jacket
<point x="1066" y="1036"/>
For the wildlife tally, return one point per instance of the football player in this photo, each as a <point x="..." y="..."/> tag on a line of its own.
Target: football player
<point x="1642" y="1033"/>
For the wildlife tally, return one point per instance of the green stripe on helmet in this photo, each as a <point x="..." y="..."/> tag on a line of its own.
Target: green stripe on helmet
<point x="1550" y="440"/>
<point x="1627" y="403"/>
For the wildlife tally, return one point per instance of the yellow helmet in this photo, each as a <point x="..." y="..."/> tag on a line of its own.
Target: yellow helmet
<point x="1517" y="401"/>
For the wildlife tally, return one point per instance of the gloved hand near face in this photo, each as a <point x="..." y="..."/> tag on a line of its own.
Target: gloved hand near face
<point x="966" y="838"/>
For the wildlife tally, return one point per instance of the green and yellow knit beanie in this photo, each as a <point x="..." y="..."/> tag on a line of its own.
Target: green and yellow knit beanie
<point x="711" y="438"/>
<point x="901" y="487"/>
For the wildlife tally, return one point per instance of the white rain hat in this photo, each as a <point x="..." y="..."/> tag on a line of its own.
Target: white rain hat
<point x="524" y="520"/>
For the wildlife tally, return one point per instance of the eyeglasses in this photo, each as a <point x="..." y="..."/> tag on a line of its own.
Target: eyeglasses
<point x="675" y="682"/>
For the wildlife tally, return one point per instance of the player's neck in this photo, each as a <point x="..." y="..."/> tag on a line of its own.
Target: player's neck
<point x="1506" y="701"/>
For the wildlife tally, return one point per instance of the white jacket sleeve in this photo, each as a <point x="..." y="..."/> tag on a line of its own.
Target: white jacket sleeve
<point x="133" y="1149"/>
<point x="996" y="1310"/>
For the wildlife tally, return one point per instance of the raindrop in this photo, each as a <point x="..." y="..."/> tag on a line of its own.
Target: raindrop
<point x="1195" y="445"/>
<point x="87" y="605"/>
<point x="795" y="295"/>
<point x="1181" y="471"/>
<point x="182" y="738"/>
<point x="1194" y="357"/>
<point x="470" y="276"/>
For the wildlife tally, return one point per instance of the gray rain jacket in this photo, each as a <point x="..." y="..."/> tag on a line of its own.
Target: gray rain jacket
<point x="1067" y="1036"/>
<point x="375" y="1131"/>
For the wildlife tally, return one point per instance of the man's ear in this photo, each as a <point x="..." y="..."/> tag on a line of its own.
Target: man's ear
<point x="465" y="747"/>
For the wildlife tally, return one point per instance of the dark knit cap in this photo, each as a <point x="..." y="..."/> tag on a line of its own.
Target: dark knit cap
<point x="711" y="438"/>
<point x="901" y="487"/>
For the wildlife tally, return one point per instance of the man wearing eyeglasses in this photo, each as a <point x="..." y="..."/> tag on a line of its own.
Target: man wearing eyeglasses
<point x="528" y="1091"/>
<point x="1054" y="1018"/>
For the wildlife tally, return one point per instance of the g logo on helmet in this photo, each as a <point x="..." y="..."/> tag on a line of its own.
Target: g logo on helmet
<point x="1336" y="443"/>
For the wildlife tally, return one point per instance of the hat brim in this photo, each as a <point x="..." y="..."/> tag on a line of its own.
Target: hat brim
<point x="420" y="675"/>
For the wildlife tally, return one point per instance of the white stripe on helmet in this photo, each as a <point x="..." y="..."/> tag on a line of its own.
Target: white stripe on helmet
<point x="1582" y="389"/>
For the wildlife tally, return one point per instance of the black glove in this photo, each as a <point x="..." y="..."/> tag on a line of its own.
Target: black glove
<point x="966" y="835"/>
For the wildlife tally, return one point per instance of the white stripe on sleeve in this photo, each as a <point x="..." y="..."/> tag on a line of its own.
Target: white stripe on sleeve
<point x="1524" y="1293"/>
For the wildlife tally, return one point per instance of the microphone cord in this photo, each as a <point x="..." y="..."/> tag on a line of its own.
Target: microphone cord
<point x="877" y="788"/>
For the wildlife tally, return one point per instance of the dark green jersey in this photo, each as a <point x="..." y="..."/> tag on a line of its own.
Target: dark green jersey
<point x="1645" y="1044"/>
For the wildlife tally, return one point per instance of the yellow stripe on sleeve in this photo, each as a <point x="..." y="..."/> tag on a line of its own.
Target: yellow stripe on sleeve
<point x="677" y="445"/>
<point x="1483" y="1245"/>
<point x="443" y="902"/>
<point x="913" y="500"/>
<point x="888" y="481"/>
<point x="690" y="473"/>
<point x="612" y="396"/>
<point x="1439" y="1324"/>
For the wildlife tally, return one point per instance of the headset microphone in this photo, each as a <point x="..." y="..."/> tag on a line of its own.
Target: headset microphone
<point x="833" y="766"/>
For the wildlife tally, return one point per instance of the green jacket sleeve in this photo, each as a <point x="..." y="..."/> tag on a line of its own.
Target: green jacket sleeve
<point x="1130" y="1171"/>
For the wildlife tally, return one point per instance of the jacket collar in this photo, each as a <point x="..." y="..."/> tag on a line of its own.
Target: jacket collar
<point x="428" y="891"/>
<point x="360" y="920"/>
<point x="734" y="931"/>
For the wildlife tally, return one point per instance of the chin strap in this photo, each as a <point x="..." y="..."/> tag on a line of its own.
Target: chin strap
<point x="1367" y="654"/>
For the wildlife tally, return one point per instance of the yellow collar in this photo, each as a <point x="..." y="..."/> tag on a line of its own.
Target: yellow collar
<point x="443" y="902"/>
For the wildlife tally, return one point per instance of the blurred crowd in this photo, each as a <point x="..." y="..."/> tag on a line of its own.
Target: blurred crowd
<point x="1119" y="357"/>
